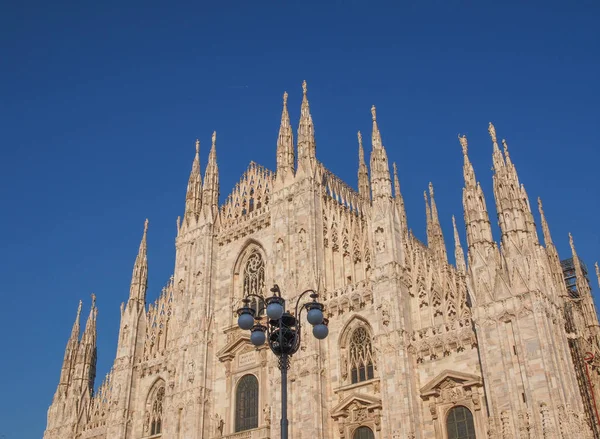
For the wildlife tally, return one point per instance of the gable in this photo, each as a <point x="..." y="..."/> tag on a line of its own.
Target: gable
<point x="358" y="400"/>
<point x="450" y="378"/>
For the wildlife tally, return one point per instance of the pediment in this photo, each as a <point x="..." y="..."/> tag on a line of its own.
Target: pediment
<point x="450" y="378"/>
<point x="231" y="349"/>
<point x="358" y="400"/>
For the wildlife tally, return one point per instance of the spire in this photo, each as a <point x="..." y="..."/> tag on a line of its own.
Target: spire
<point x="399" y="199"/>
<point x="210" y="195"/>
<point x="381" y="184"/>
<point x="458" y="251"/>
<point x="285" y="144"/>
<point x="86" y="357"/>
<point x="76" y="326"/>
<point x="435" y="238"/>
<point x="545" y="228"/>
<point x="69" y="358"/>
<point x="139" y="278"/>
<point x="306" y="135"/>
<point x="89" y="334"/>
<point x="477" y="221"/>
<point x="597" y="272"/>
<point x="512" y="204"/>
<point x="585" y="294"/>
<point x="193" y="197"/>
<point x="364" y="188"/>
<point x="468" y="172"/>
<point x="552" y="253"/>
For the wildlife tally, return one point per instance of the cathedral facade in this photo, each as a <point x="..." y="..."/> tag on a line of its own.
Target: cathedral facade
<point x="491" y="347"/>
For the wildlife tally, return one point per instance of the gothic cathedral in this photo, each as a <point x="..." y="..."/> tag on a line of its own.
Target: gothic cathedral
<point x="494" y="346"/>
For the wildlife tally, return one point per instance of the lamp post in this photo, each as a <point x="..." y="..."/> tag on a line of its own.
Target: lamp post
<point x="282" y="331"/>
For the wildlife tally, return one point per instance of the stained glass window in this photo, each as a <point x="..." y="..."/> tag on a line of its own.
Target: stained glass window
<point x="246" y="403"/>
<point x="460" y="423"/>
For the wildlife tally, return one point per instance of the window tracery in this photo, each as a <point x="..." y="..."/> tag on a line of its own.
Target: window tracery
<point x="246" y="403"/>
<point x="360" y="356"/>
<point x="254" y="278"/>
<point x="153" y="422"/>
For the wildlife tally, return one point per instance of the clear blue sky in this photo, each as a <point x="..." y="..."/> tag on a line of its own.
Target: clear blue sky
<point x="100" y="105"/>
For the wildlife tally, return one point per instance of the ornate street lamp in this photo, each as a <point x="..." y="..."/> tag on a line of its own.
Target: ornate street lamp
<point x="283" y="331"/>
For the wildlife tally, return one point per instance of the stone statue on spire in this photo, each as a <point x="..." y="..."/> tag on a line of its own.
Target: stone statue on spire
<point x="463" y="143"/>
<point x="492" y="131"/>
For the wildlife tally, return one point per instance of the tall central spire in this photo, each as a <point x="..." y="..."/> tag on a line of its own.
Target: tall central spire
<point x="306" y="135"/>
<point x="139" y="278"/>
<point x="285" y="145"/>
<point x="381" y="184"/>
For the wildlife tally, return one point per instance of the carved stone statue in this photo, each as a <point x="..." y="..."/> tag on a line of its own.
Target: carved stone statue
<point x="267" y="414"/>
<point x="219" y="424"/>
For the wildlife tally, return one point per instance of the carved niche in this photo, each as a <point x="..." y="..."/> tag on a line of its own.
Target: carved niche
<point x="355" y="411"/>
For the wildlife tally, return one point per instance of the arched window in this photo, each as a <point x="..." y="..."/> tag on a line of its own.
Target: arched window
<point x="246" y="403"/>
<point x="363" y="433"/>
<point x="361" y="356"/>
<point x="459" y="423"/>
<point x="157" y="409"/>
<point x="254" y="278"/>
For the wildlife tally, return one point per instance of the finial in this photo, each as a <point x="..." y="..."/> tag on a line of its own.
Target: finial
<point x="214" y="138"/>
<point x="492" y="132"/>
<point x="373" y="113"/>
<point x="463" y="143"/>
<point x="197" y="146"/>
<point x="304" y="88"/>
<point x="431" y="189"/>
<point x="285" y="96"/>
<point x="146" y="226"/>
<point x="425" y="198"/>
<point x="79" y="308"/>
<point x="540" y="207"/>
<point x="359" y="139"/>
<point x="597" y="272"/>
<point x="93" y="300"/>
<point x="395" y="169"/>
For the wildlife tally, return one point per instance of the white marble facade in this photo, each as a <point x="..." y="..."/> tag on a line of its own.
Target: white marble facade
<point x="417" y="348"/>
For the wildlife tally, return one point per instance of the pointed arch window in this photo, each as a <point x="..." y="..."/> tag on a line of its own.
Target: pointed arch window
<point x="361" y="356"/>
<point x="157" y="410"/>
<point x="254" y="278"/>
<point x="459" y="423"/>
<point x="363" y="433"/>
<point x="246" y="403"/>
